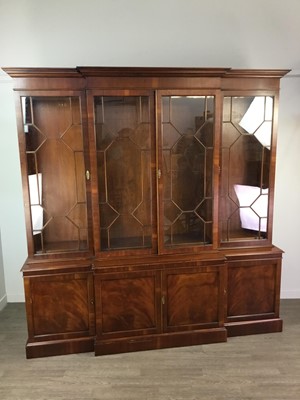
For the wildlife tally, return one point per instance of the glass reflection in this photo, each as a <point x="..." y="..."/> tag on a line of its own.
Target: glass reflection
<point x="55" y="165"/>
<point x="123" y="139"/>
<point x="246" y="144"/>
<point x="187" y="138"/>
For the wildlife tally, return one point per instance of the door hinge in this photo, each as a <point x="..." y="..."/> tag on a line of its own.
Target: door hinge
<point x="159" y="173"/>
<point x="163" y="300"/>
<point x="87" y="175"/>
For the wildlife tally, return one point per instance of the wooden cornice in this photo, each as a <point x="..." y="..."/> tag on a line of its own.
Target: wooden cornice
<point x="257" y="73"/>
<point x="42" y="72"/>
<point x="151" y="72"/>
<point x="143" y="72"/>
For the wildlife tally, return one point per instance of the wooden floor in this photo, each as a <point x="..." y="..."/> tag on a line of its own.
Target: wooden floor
<point x="265" y="367"/>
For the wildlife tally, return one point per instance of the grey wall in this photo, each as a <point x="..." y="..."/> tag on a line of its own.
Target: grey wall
<point x="215" y="33"/>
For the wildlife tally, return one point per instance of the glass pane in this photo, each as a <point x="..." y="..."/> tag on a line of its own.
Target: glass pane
<point x="246" y="144"/>
<point x="56" y="171"/>
<point x="123" y="139"/>
<point x="187" y="140"/>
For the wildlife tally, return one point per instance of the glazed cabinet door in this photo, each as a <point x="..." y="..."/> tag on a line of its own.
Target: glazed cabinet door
<point x="123" y="138"/>
<point x="53" y="147"/>
<point x="186" y="127"/>
<point x="247" y="169"/>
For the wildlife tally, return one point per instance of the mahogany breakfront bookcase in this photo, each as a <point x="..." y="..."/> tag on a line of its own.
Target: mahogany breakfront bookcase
<point x="148" y="197"/>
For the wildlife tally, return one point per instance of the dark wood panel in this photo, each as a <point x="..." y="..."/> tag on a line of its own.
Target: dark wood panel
<point x="252" y="289"/>
<point x="60" y="305"/>
<point x="192" y="299"/>
<point x="127" y="304"/>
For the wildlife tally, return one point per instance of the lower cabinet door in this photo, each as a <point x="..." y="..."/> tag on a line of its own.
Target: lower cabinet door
<point x="60" y="306"/>
<point x="253" y="289"/>
<point x="60" y="313"/>
<point x="167" y="307"/>
<point x="253" y="295"/>
<point x="193" y="298"/>
<point x="127" y="304"/>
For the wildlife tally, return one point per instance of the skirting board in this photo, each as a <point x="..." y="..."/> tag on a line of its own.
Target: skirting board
<point x="3" y="302"/>
<point x="15" y="298"/>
